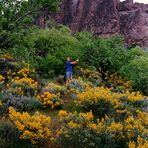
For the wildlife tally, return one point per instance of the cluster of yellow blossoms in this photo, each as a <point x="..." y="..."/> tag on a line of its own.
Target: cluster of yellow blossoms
<point x="34" y="128"/>
<point x="126" y="130"/>
<point x="93" y="95"/>
<point x="86" y="121"/>
<point x="118" y="81"/>
<point x="24" y="72"/>
<point x="116" y="130"/>
<point x="50" y="100"/>
<point x="1" y="103"/>
<point x="63" y="114"/>
<point x="21" y="82"/>
<point x="25" y="81"/>
<point x="54" y="88"/>
<point x="2" y="79"/>
<point x="72" y="123"/>
<point x="136" y="125"/>
<point x="7" y="56"/>
<point x="141" y="143"/>
<point x="23" y="78"/>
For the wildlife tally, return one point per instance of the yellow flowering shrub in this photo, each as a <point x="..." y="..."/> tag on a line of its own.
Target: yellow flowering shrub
<point x="54" y="88"/>
<point x="78" y="128"/>
<point x="34" y="128"/>
<point x="20" y="90"/>
<point x="23" y="86"/>
<point x="134" y="96"/>
<point x="103" y="101"/>
<point x="81" y="130"/>
<point x="94" y="94"/>
<point x="1" y="103"/>
<point x="62" y="114"/>
<point x="50" y="100"/>
<point x="117" y="81"/>
<point x="116" y="130"/>
<point x="2" y="78"/>
<point x="140" y="143"/>
<point x="25" y="72"/>
<point x="71" y="119"/>
<point x="21" y="83"/>
<point x="7" y="56"/>
<point x="134" y="126"/>
<point x="142" y="117"/>
<point x="25" y="81"/>
<point x="99" y="99"/>
<point x="76" y="86"/>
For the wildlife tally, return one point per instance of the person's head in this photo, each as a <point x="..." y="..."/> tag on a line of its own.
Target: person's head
<point x="68" y="59"/>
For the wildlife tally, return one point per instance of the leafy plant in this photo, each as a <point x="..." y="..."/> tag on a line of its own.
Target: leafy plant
<point x="33" y="128"/>
<point x="137" y="71"/>
<point x="21" y="103"/>
<point x="9" y="135"/>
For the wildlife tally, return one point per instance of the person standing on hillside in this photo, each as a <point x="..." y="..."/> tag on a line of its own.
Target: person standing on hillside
<point x="69" y="69"/>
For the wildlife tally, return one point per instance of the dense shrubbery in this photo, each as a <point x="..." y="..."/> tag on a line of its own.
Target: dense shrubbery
<point x="110" y="56"/>
<point x="103" y="107"/>
<point x="105" y="54"/>
<point x="102" y="101"/>
<point x="80" y="130"/>
<point x="116" y="118"/>
<point x="21" y="103"/>
<point x="137" y="71"/>
<point x="9" y="135"/>
<point x="54" y="88"/>
<point x="50" y="100"/>
<point x="34" y="128"/>
<point x="46" y="51"/>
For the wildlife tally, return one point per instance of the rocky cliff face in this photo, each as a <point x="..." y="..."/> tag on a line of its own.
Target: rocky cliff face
<point x="134" y="22"/>
<point x="103" y="17"/>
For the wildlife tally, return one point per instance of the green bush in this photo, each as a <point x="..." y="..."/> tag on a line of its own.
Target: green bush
<point x="80" y="130"/>
<point x="52" y="47"/>
<point x="137" y="71"/>
<point x="9" y="136"/>
<point x="47" y="49"/>
<point x="137" y="52"/>
<point x="104" y="54"/>
<point x="21" y="103"/>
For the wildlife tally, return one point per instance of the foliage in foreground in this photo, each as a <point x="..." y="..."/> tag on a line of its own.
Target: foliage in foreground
<point x="34" y="128"/>
<point x="105" y="117"/>
<point x="80" y="129"/>
<point x="103" y="101"/>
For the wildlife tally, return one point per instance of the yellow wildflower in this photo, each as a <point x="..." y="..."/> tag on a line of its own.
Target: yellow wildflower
<point x="1" y="103"/>
<point x="34" y="128"/>
<point x="89" y="115"/>
<point x="71" y="124"/>
<point x="132" y="145"/>
<point x="63" y="113"/>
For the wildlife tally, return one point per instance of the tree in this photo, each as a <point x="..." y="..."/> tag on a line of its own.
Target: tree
<point x="137" y="69"/>
<point x="19" y="14"/>
<point x="104" y="54"/>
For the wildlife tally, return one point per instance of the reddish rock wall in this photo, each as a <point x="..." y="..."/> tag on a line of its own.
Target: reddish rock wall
<point x="104" y="17"/>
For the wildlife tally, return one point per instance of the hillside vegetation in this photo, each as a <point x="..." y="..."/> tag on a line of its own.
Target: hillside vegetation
<point x="104" y="106"/>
